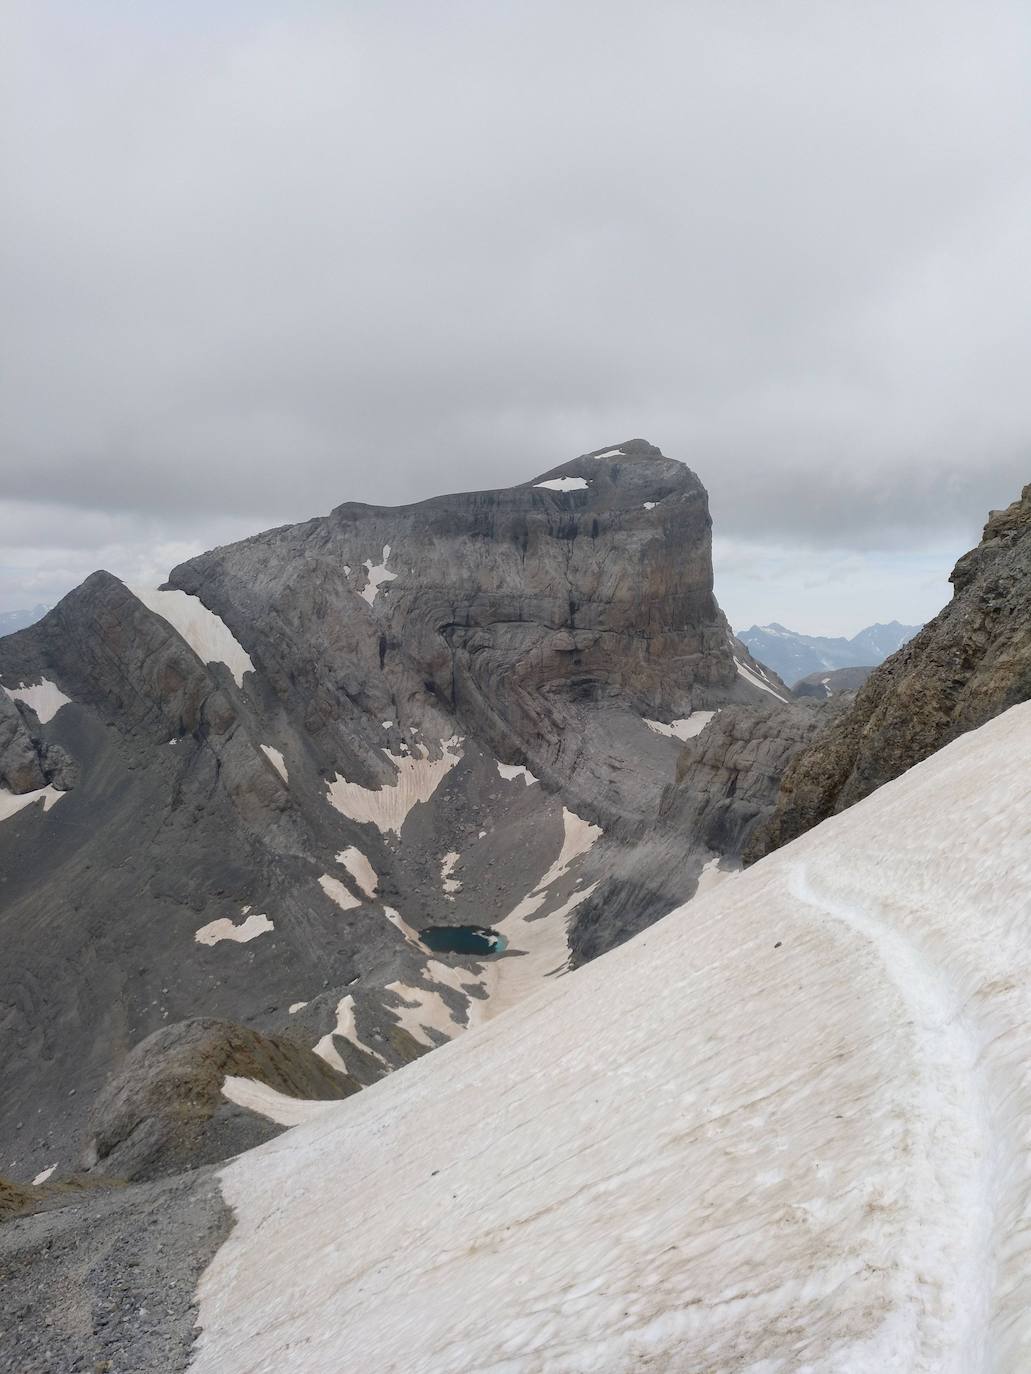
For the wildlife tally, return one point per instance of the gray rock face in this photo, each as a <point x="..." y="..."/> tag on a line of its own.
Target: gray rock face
<point x="727" y="779"/>
<point x="971" y="662"/>
<point x="21" y="766"/>
<point x="319" y="741"/>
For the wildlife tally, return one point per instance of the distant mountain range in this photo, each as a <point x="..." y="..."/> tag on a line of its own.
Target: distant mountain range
<point x="18" y="620"/>
<point x="795" y="656"/>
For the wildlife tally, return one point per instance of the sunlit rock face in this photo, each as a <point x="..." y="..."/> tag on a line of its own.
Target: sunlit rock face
<point x="309" y="746"/>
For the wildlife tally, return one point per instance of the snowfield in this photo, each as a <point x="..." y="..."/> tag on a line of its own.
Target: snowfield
<point x="207" y="635"/>
<point x="786" y="1129"/>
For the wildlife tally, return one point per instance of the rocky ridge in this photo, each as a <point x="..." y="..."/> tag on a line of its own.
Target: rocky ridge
<point x="968" y="665"/>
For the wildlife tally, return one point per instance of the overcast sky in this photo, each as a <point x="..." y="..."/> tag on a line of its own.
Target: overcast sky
<point x="260" y="259"/>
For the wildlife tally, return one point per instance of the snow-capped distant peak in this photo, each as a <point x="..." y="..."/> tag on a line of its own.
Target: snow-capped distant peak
<point x="795" y="656"/>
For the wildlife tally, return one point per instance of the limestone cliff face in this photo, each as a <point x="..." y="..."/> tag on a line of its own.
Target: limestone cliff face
<point x="501" y="613"/>
<point x="257" y="785"/>
<point x="970" y="663"/>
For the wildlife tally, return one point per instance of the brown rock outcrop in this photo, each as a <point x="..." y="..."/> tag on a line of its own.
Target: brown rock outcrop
<point x="970" y="663"/>
<point x="164" y="1109"/>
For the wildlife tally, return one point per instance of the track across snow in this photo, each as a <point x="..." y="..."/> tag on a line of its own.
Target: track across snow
<point x="785" y="1129"/>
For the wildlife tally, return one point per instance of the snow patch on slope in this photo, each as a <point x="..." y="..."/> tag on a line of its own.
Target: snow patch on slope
<point x="447" y="864"/>
<point x="564" y="484"/>
<point x="268" y="1102"/>
<point x="207" y="635"/>
<point x="13" y="802"/>
<point x="377" y="575"/>
<point x="345" y="1028"/>
<point x="276" y="759"/>
<point x="422" y="1010"/>
<point x="511" y="771"/>
<point x="45" y="698"/>
<point x="751" y="677"/>
<point x="418" y="777"/>
<point x="360" y="869"/>
<point x="539" y="944"/>
<point x="543" y="947"/>
<point x="334" y="889"/>
<point x="684" y="728"/>
<point x="399" y="923"/>
<point x="578" y="836"/>
<point x="224" y="929"/>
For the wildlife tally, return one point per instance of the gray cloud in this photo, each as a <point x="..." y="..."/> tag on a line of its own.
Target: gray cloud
<point x="259" y="262"/>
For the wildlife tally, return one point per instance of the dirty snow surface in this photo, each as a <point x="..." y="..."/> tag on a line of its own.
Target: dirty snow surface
<point x="275" y="757"/>
<point x="45" y="698"/>
<point x="224" y="929"/>
<point x="208" y="636"/>
<point x="13" y="802"/>
<point x="266" y="1101"/>
<point x="511" y="771"/>
<point x="376" y="575"/>
<point x="357" y="864"/>
<point x="786" y="1129"/>
<point x="417" y="777"/>
<point x="684" y="728"/>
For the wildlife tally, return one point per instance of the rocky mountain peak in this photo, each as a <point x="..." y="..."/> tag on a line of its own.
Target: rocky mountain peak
<point x="1002" y="529"/>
